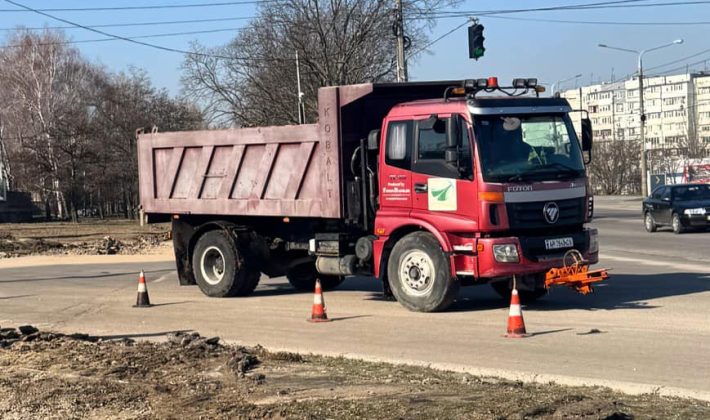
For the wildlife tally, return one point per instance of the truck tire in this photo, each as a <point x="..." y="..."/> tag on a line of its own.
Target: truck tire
<point x="220" y="269"/>
<point x="419" y="274"/>
<point x="526" y="296"/>
<point x="677" y="225"/>
<point x="649" y="223"/>
<point x="303" y="277"/>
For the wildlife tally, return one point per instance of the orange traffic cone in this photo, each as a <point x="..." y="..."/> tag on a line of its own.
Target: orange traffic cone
<point x="142" y="301"/>
<point x="516" y="325"/>
<point x="318" y="312"/>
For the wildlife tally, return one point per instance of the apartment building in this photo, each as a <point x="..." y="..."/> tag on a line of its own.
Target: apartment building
<point x="677" y="110"/>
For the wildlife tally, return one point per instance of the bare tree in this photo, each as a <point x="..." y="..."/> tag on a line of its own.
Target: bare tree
<point x="252" y="80"/>
<point x="615" y="168"/>
<point x="69" y="126"/>
<point x="42" y="79"/>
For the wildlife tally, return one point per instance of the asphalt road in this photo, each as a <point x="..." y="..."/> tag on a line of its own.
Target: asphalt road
<point x="652" y="316"/>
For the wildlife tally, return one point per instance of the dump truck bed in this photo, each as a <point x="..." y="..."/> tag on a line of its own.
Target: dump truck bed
<point x="294" y="171"/>
<point x="265" y="171"/>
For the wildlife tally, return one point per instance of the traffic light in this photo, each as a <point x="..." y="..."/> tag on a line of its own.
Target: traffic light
<point x="475" y="41"/>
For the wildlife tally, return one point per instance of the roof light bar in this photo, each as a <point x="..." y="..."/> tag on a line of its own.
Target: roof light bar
<point x="524" y="83"/>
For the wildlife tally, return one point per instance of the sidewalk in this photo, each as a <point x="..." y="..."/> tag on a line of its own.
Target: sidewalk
<point x="163" y="253"/>
<point x="618" y="202"/>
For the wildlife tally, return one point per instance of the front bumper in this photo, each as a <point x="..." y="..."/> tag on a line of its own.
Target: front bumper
<point x="695" y="220"/>
<point x="532" y="259"/>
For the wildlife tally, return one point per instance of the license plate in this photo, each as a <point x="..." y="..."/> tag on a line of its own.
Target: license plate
<point x="558" y="243"/>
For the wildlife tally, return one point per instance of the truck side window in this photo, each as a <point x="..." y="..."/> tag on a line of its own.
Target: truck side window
<point x="399" y="144"/>
<point x="431" y="143"/>
<point x="431" y="152"/>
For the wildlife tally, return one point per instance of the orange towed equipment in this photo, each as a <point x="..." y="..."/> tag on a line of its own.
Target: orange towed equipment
<point x="142" y="301"/>
<point x="318" y="312"/>
<point x="575" y="273"/>
<point x="516" y="324"/>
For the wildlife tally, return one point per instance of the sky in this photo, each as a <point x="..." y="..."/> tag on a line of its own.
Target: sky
<point x="550" y="51"/>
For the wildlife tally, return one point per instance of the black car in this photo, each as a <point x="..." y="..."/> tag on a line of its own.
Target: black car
<point x="682" y="207"/>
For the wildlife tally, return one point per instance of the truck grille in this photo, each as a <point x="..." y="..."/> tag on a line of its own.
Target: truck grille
<point x="531" y="216"/>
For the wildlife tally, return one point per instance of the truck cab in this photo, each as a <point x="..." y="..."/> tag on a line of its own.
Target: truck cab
<point x="499" y="183"/>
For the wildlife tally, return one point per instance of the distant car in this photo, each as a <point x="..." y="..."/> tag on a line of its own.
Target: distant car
<point x="682" y="207"/>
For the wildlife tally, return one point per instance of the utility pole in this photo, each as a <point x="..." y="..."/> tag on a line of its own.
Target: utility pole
<point x="642" y="116"/>
<point x="301" y="108"/>
<point x="642" y="130"/>
<point x="399" y="33"/>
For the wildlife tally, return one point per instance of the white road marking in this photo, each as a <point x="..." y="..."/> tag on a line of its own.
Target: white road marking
<point x="161" y="278"/>
<point x="655" y="263"/>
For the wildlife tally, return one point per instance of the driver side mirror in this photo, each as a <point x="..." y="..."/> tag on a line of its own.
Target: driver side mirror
<point x="587" y="140"/>
<point x="453" y="136"/>
<point x="451" y="156"/>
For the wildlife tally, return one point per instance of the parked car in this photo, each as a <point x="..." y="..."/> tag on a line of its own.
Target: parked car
<point x="683" y="206"/>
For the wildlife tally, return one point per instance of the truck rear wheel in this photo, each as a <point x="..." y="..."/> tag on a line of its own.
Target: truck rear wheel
<point x="219" y="267"/>
<point x="303" y="278"/>
<point x="419" y="274"/>
<point x="526" y="296"/>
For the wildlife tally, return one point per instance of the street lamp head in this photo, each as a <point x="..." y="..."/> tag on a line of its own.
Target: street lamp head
<point x="678" y="41"/>
<point x="578" y="75"/>
<point x="603" y="45"/>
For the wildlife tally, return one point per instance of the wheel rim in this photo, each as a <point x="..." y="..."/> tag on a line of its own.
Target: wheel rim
<point x="676" y="223"/>
<point x="416" y="272"/>
<point x="649" y="222"/>
<point x="212" y="265"/>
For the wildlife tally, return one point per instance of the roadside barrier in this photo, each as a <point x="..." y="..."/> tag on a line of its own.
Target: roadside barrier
<point x="142" y="301"/>
<point x="318" y="312"/>
<point x="516" y="324"/>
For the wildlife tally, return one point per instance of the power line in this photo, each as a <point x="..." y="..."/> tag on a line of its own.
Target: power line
<point x="119" y="25"/>
<point x="146" y="7"/>
<point x="598" y="22"/>
<point x="680" y="60"/>
<point x="134" y="41"/>
<point x="439" y="38"/>
<point x="163" y="35"/>
<point x="583" y="6"/>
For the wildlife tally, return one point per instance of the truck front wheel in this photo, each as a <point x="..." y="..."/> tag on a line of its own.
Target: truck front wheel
<point x="220" y="269"/>
<point x="303" y="277"/>
<point x="419" y="274"/>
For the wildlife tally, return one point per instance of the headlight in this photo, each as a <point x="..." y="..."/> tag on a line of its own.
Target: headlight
<point x="506" y="253"/>
<point x="593" y="242"/>
<point x="694" y="211"/>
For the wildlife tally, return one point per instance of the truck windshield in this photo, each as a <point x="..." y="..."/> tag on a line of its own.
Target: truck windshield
<point x="527" y="147"/>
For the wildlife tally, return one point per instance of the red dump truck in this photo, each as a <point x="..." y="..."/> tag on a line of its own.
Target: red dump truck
<point x="424" y="186"/>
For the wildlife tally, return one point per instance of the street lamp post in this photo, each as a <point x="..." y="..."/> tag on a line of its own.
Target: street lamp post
<point x="642" y="116"/>
<point x="557" y="83"/>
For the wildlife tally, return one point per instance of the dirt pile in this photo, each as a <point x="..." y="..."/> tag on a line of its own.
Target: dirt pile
<point x="58" y="376"/>
<point x="108" y="245"/>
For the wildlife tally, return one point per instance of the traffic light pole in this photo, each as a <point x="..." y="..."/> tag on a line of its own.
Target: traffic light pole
<point x="399" y="33"/>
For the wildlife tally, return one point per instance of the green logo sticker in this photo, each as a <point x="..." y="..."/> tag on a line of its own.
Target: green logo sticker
<point x="442" y="194"/>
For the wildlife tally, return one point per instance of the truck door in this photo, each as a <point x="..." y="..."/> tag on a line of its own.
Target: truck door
<point x="440" y="186"/>
<point x="395" y="174"/>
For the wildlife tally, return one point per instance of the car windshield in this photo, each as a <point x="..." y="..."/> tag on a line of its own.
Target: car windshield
<point x="521" y="147"/>
<point x="691" y="192"/>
